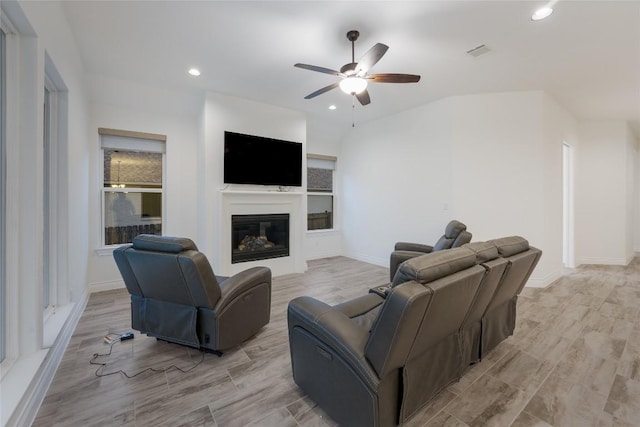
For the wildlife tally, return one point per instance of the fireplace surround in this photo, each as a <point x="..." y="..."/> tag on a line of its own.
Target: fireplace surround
<point x="253" y="202"/>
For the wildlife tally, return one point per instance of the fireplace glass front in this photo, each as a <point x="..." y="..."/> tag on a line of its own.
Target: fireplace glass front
<point x="256" y="237"/>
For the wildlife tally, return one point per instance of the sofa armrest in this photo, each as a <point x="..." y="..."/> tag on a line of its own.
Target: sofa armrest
<point x="336" y="331"/>
<point x="240" y="283"/>
<point x="416" y="247"/>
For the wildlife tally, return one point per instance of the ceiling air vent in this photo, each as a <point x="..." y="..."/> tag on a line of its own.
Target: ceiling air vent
<point x="479" y="50"/>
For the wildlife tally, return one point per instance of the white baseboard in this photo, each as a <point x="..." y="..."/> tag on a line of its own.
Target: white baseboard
<point x="543" y="282"/>
<point x="322" y="254"/>
<point x="27" y="409"/>
<point x="382" y="262"/>
<point x="105" y="286"/>
<point x="603" y="261"/>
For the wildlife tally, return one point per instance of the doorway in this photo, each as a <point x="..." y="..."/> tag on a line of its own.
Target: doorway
<point x="568" y="255"/>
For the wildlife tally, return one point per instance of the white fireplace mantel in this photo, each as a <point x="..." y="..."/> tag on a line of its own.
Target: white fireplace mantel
<point x="234" y="202"/>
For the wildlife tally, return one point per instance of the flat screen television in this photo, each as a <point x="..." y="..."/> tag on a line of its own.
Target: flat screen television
<point x="250" y="159"/>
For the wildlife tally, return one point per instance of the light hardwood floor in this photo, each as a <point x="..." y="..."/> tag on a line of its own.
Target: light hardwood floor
<point x="574" y="360"/>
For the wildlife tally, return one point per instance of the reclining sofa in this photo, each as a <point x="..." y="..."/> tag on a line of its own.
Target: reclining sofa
<point x="376" y="360"/>
<point x="176" y="297"/>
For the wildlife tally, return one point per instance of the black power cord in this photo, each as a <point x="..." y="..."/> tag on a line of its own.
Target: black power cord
<point x="99" y="372"/>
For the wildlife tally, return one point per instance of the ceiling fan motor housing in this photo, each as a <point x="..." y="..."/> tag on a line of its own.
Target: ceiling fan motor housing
<point x="349" y="69"/>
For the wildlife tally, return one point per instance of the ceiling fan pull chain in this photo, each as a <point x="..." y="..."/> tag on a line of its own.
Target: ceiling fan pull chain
<point x="353" y="111"/>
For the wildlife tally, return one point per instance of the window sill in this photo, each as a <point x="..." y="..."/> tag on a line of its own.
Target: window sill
<point x="54" y="323"/>
<point x="105" y="251"/>
<point x="323" y="231"/>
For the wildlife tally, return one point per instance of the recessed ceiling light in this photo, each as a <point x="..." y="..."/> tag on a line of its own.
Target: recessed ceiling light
<point x="332" y="107"/>
<point x="194" y="71"/>
<point x="541" y="13"/>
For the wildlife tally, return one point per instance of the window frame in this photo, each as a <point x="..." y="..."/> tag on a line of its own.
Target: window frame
<point x="3" y="191"/>
<point x="323" y="159"/>
<point x="49" y="175"/>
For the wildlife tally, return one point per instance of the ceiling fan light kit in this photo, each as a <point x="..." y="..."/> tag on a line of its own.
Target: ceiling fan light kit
<point x="353" y="85"/>
<point x="354" y="76"/>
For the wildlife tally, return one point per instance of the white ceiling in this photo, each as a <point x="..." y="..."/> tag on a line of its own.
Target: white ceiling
<point x="586" y="55"/>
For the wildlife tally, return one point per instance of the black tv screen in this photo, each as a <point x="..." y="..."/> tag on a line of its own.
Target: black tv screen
<point x="252" y="159"/>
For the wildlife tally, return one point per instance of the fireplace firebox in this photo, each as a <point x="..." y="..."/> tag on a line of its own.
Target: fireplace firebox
<point x="256" y="237"/>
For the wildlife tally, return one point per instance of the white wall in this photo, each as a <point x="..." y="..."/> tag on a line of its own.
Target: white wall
<point x="604" y="194"/>
<point x="636" y="187"/>
<point x="396" y="181"/>
<point x="508" y="170"/>
<point x="492" y="161"/>
<point x="497" y="164"/>
<point x="130" y="106"/>
<point x="631" y="147"/>
<point x="228" y="113"/>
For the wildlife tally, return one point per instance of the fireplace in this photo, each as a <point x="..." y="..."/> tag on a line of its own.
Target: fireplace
<point x="256" y="237"/>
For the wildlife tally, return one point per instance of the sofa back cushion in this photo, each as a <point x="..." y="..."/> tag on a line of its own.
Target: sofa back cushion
<point x="172" y="245"/>
<point x="522" y="260"/>
<point x="432" y="266"/>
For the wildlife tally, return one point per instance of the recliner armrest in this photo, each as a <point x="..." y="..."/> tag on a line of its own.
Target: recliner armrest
<point x="236" y="285"/>
<point x="335" y="330"/>
<point x="415" y="247"/>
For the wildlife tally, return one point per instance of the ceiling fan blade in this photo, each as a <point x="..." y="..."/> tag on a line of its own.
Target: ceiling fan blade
<point x="394" y="78"/>
<point x="323" y="90"/>
<point x="363" y="97"/>
<point x="318" y="69"/>
<point x="370" y="58"/>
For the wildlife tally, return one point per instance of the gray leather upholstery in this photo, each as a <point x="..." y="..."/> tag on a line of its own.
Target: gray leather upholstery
<point x="435" y="358"/>
<point x="375" y="361"/>
<point x="378" y="373"/>
<point x="471" y="331"/>
<point x="499" y="319"/>
<point x="455" y="235"/>
<point x="175" y="295"/>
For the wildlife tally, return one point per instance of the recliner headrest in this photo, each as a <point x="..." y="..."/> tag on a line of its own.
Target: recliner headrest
<point x="453" y="229"/>
<point x="508" y="246"/>
<point x="485" y="251"/>
<point x="429" y="267"/>
<point x="174" y="245"/>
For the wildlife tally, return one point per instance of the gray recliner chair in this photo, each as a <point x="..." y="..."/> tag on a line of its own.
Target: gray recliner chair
<point x="176" y="297"/>
<point x="455" y="235"/>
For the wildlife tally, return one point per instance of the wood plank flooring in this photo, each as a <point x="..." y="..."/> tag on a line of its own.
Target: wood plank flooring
<point x="574" y="360"/>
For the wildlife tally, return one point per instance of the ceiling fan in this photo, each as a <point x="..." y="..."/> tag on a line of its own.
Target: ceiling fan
<point x="355" y="75"/>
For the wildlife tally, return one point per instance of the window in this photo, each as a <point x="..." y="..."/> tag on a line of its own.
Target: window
<point x="47" y="143"/>
<point x="132" y="190"/>
<point x="53" y="186"/>
<point x="3" y="183"/>
<point x="320" y="199"/>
